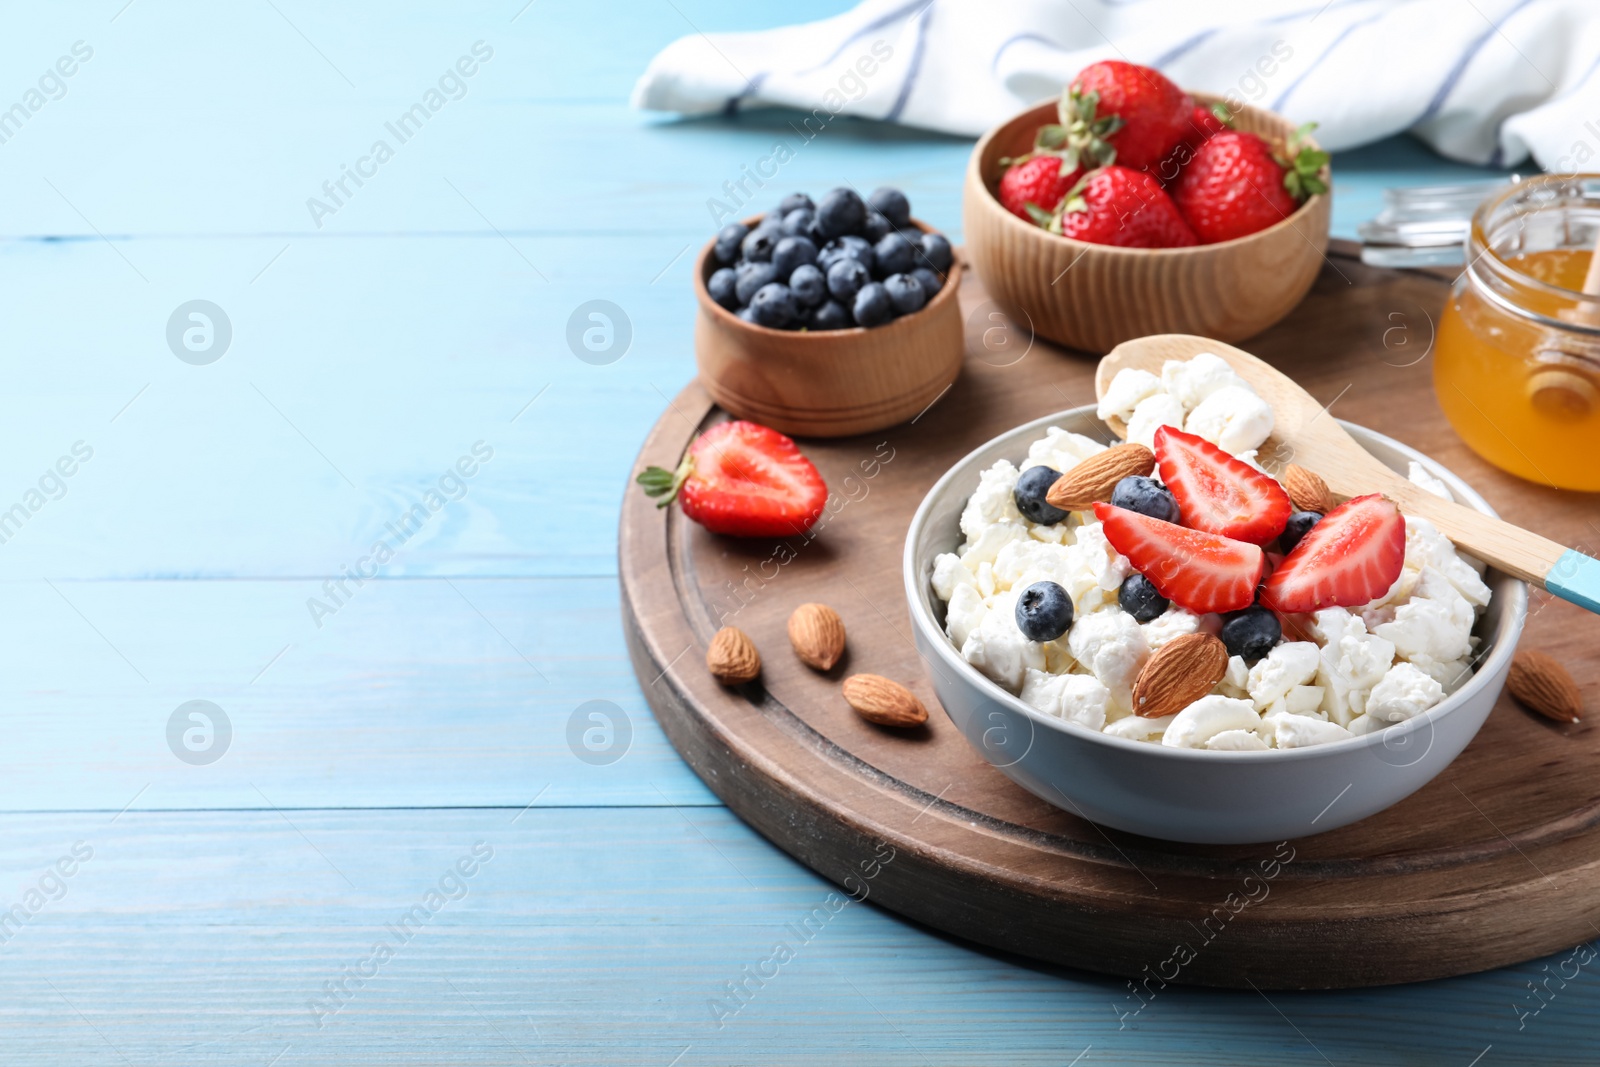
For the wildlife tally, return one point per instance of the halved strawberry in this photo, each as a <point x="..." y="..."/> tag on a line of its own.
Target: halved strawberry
<point x="1351" y="557"/>
<point x="1218" y="493"/>
<point x="1193" y="569"/>
<point x="744" y="479"/>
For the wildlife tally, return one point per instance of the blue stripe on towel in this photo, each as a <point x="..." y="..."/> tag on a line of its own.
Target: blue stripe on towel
<point x="1183" y="48"/>
<point x="922" y="21"/>
<point x="1466" y="57"/>
<point x="1018" y="39"/>
<point x="876" y="24"/>
<point x="1277" y="105"/>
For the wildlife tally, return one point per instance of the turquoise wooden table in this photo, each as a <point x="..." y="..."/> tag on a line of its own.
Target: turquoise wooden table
<point x="361" y="505"/>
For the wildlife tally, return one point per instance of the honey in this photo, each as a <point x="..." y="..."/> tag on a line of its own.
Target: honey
<point x="1517" y="358"/>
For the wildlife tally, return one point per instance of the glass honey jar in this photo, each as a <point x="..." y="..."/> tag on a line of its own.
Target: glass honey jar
<point x="1517" y="360"/>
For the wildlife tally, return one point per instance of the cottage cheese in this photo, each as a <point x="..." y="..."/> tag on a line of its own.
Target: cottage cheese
<point x="1206" y="718"/>
<point x="1237" y="741"/>
<point x="1154" y="412"/>
<point x="1124" y="393"/>
<point x="1112" y="647"/>
<point x="1300" y="731"/>
<point x="1355" y="671"/>
<point x="1291" y="664"/>
<point x="1074" y="697"/>
<point x="1173" y="623"/>
<point x="1191" y="381"/>
<point x="1404" y="693"/>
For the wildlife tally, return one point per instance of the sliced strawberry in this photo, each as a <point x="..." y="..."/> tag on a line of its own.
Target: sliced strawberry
<point x="1350" y="558"/>
<point x="1218" y="493"/>
<point x="1195" y="570"/>
<point x="743" y="479"/>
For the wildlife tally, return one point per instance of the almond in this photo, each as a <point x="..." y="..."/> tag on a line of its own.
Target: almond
<point x="732" y="658"/>
<point x="817" y="634"/>
<point x="1541" y="683"/>
<point x="1094" y="478"/>
<point x="1180" y="672"/>
<point x="1307" y="491"/>
<point x="886" y="703"/>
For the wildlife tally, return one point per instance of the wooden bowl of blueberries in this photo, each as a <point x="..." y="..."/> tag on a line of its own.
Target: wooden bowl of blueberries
<point x="828" y="318"/>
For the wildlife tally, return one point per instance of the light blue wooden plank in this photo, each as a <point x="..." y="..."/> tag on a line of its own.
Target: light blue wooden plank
<point x="526" y="168"/>
<point x="412" y="694"/>
<point x="359" y="373"/>
<point x="549" y="178"/>
<point x="603" y="937"/>
<point x="294" y="53"/>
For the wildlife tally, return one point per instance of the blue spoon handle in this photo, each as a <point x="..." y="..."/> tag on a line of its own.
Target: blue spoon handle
<point x="1575" y="577"/>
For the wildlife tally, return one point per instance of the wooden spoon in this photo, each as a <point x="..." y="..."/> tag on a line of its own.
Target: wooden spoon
<point x="1317" y="442"/>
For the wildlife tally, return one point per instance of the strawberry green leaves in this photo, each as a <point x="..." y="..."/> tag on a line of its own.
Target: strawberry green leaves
<point x="1082" y="132"/>
<point x="1303" y="170"/>
<point x="660" y="482"/>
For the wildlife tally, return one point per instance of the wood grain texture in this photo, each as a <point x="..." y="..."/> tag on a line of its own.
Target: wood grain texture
<point x="1489" y="864"/>
<point x="1321" y="445"/>
<point x="1093" y="296"/>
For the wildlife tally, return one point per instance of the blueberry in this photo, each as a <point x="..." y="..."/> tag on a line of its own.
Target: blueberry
<point x="841" y="212"/>
<point x="797" y="223"/>
<point x="728" y="240"/>
<point x="893" y="204"/>
<point x="847" y="247"/>
<point x="748" y="314"/>
<point x="795" y="202"/>
<point x="1250" y="633"/>
<point x="1044" y="611"/>
<point x="721" y="287"/>
<point x="846" y="278"/>
<point x="936" y="252"/>
<point x="757" y="245"/>
<point x="832" y="315"/>
<point x="774" y="306"/>
<point x="792" y="252"/>
<point x="1029" y="494"/>
<point x="1146" y="496"/>
<point x="872" y="305"/>
<point x="771" y="225"/>
<point x="1139" y="598"/>
<point x="905" y="292"/>
<point x="809" y="285"/>
<point x="748" y="277"/>
<point x="893" y="255"/>
<point x="1299" y="525"/>
<point x="876" y="228"/>
<point x="930" y="281"/>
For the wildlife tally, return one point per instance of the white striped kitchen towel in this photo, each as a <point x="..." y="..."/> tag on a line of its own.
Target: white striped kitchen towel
<point x="1483" y="81"/>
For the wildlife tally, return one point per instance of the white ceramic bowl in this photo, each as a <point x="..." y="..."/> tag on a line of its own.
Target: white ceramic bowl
<point x="1187" y="794"/>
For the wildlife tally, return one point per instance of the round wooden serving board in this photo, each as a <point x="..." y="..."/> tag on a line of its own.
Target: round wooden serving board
<point x="1495" y="861"/>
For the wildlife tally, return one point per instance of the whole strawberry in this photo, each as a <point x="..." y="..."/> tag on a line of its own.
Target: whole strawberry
<point x="1153" y="113"/>
<point x="1204" y="123"/>
<point x="1121" y="206"/>
<point x="1040" y="181"/>
<point x="1235" y="185"/>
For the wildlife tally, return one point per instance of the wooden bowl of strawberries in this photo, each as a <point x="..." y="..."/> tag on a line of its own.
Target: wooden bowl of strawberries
<point x="1130" y="207"/>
